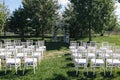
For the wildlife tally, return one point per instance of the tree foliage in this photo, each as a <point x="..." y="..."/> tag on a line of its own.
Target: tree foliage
<point x="42" y="13"/>
<point x="2" y="17"/>
<point x="18" y="22"/>
<point x="91" y="15"/>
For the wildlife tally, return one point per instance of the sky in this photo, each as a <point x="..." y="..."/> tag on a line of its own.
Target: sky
<point x="14" y="4"/>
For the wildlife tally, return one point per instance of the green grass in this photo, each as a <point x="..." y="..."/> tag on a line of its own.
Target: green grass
<point x="112" y="39"/>
<point x="57" y="64"/>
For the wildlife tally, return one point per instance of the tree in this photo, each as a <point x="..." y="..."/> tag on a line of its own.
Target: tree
<point x="92" y="15"/>
<point x="105" y="17"/>
<point x="43" y="14"/>
<point x="2" y="18"/>
<point x="119" y="1"/>
<point x="69" y="17"/>
<point x="18" y="22"/>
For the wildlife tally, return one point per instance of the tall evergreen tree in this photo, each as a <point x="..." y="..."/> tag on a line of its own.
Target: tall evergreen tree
<point x="42" y="14"/>
<point x="18" y="22"/>
<point x="93" y="15"/>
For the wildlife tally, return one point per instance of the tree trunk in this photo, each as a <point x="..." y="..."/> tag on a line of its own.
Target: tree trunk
<point x="90" y="38"/>
<point x="42" y="33"/>
<point x="37" y="34"/>
<point x="4" y="32"/>
<point x="81" y="33"/>
<point x="22" y="35"/>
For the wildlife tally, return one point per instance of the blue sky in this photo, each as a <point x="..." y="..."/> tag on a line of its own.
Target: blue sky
<point x="14" y="4"/>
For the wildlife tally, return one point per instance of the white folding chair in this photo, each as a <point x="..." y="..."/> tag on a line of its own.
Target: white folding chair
<point x="91" y="52"/>
<point x="81" y="61"/>
<point x="17" y="42"/>
<point x="75" y="54"/>
<point x="20" y="53"/>
<point x="29" y="42"/>
<point x="12" y="61"/>
<point x="116" y="53"/>
<point x="113" y="61"/>
<point x="29" y="60"/>
<point x="98" y="62"/>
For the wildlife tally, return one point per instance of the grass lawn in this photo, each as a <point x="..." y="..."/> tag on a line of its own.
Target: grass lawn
<point x="57" y="64"/>
<point x="112" y="39"/>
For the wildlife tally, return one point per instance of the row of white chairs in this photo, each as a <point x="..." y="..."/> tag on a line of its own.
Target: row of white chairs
<point x="15" y="55"/>
<point x="105" y="56"/>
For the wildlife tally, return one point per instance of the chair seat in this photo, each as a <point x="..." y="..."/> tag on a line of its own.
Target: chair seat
<point x="81" y="61"/>
<point x="116" y="55"/>
<point x="74" y="50"/>
<point x="106" y="55"/>
<point x="2" y="49"/>
<point x="114" y="61"/>
<point x="109" y="51"/>
<point x="2" y="54"/>
<point x="81" y="48"/>
<point x="9" y="47"/>
<point x="8" y="53"/>
<point x="98" y="61"/>
<point x="36" y="54"/>
<point x="13" y="61"/>
<point x="72" y="47"/>
<point x="91" y="48"/>
<point x="30" y="60"/>
<point x="77" y="55"/>
<point x="91" y="55"/>
<point x="18" y="47"/>
<point x="20" y="55"/>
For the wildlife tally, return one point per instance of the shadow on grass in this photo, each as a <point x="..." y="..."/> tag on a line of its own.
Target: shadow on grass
<point x="107" y="75"/>
<point x="70" y="65"/>
<point x="90" y="75"/>
<point x="81" y="75"/>
<point x="56" y="45"/>
<point x="68" y="54"/>
<point x="69" y="59"/>
<point x="72" y="74"/>
<point x="118" y="72"/>
<point x="2" y="73"/>
<point x="26" y="72"/>
<point x="19" y="72"/>
<point x="58" y="77"/>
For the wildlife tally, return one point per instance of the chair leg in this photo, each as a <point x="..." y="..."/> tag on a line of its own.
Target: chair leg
<point x="104" y="71"/>
<point x="0" y="65"/>
<point x="24" y="69"/>
<point x="16" y="69"/>
<point x="87" y="70"/>
<point x="10" y="67"/>
<point x="6" y="69"/>
<point x="94" y="71"/>
<point x="111" y="71"/>
<point x="34" y="68"/>
<point x="76" y="68"/>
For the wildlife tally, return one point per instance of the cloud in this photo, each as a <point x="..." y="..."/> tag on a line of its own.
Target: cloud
<point x="63" y="2"/>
